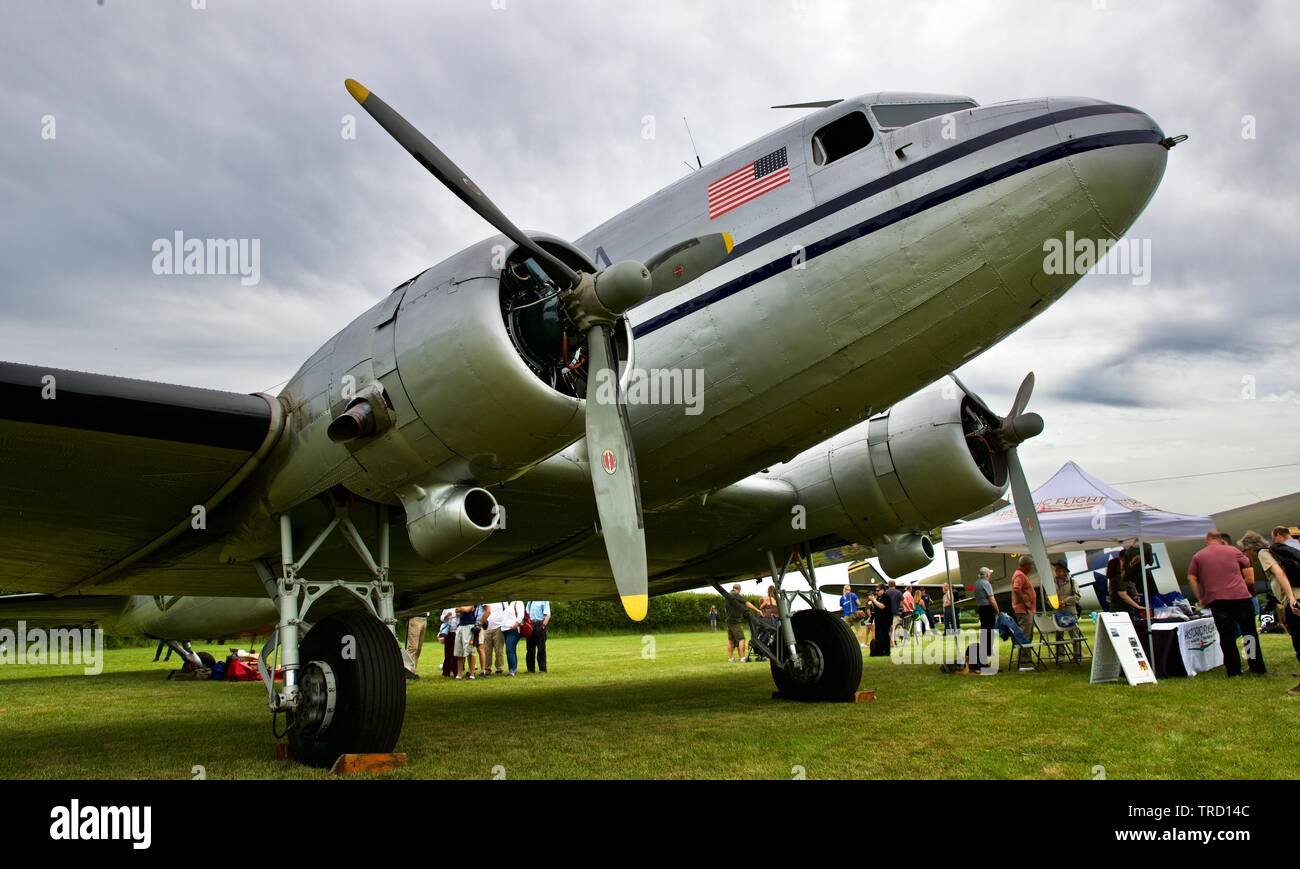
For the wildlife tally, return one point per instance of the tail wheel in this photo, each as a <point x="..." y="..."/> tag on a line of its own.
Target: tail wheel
<point x="352" y="690"/>
<point x="830" y="660"/>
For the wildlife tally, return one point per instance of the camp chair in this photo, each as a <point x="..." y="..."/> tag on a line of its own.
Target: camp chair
<point x="1021" y="646"/>
<point x="1070" y="647"/>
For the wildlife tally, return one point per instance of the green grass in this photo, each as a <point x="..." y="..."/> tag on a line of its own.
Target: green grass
<point x="605" y="711"/>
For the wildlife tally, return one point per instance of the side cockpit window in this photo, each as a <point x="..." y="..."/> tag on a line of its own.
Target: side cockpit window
<point x="891" y="116"/>
<point x="841" y="137"/>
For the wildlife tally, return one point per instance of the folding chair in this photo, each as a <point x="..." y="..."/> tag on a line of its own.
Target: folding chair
<point x="1022" y="647"/>
<point x="1071" y="644"/>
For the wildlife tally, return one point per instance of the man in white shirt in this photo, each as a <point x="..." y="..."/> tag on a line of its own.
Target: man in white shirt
<point x="494" y="642"/>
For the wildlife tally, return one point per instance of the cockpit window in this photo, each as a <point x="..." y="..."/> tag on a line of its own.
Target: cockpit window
<point x="903" y="114"/>
<point x="841" y="137"/>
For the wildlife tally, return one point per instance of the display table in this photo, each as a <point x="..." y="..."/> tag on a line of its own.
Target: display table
<point x="1185" y="648"/>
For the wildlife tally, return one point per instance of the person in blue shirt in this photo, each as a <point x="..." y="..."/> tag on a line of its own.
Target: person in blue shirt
<point x="851" y="612"/>
<point x="539" y="611"/>
<point x="849" y="603"/>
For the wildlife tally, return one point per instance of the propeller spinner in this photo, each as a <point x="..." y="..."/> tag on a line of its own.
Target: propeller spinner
<point x="594" y="303"/>
<point x="1010" y="431"/>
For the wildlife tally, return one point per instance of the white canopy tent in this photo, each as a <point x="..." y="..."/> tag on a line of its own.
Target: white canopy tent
<point x="1077" y="511"/>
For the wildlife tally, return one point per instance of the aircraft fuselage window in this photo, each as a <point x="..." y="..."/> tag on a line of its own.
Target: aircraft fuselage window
<point x="841" y="137"/>
<point x="902" y="114"/>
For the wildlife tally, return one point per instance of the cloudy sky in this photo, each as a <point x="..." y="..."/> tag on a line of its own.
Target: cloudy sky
<point x="125" y="122"/>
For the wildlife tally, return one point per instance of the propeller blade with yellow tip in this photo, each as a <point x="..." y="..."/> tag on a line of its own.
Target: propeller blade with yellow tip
<point x="431" y="157"/>
<point x="614" y="475"/>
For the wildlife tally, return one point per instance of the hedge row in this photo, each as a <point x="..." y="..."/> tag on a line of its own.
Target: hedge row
<point x="669" y="612"/>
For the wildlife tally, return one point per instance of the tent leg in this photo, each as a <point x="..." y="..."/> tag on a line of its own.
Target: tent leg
<point x="1146" y="598"/>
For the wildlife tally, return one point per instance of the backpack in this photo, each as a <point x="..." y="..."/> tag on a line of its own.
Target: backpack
<point x="1289" y="558"/>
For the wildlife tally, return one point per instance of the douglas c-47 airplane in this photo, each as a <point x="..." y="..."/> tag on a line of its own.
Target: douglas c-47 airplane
<point x="481" y="433"/>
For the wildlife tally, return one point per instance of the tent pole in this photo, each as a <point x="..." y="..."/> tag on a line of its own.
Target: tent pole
<point x="947" y="577"/>
<point x="1146" y="595"/>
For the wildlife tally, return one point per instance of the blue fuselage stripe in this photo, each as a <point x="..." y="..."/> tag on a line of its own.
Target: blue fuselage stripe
<point x="970" y="184"/>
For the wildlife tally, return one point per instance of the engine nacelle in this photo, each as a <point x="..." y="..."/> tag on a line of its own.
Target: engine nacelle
<point x="889" y="481"/>
<point x="455" y="377"/>
<point x="445" y="521"/>
<point x="467" y="375"/>
<point x="901" y="554"/>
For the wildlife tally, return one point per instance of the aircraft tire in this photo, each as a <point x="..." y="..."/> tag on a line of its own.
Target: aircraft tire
<point x="834" y="652"/>
<point x="370" y="682"/>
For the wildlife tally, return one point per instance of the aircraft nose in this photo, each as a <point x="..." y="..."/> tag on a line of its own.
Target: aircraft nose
<point x="1120" y="161"/>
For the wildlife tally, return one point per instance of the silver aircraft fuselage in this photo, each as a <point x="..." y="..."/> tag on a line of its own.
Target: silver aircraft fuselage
<point x="851" y="287"/>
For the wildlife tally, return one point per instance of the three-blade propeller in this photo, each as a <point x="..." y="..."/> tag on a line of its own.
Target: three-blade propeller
<point x="1012" y="430"/>
<point x="595" y="303"/>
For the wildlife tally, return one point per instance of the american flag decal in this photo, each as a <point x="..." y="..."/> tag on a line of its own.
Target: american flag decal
<point x="748" y="183"/>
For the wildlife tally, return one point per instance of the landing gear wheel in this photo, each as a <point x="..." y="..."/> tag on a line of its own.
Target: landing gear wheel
<point x="206" y="662"/>
<point x="352" y="690"/>
<point x="830" y="657"/>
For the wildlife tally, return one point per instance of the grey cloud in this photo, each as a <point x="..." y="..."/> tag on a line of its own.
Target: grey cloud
<point x="226" y="122"/>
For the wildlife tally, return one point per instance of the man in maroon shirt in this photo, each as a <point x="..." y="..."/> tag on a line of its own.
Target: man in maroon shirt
<point x="1024" y="599"/>
<point x="1222" y="578"/>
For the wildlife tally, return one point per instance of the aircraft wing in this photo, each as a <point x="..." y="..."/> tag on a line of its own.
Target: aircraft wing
<point x="97" y="472"/>
<point x="45" y="610"/>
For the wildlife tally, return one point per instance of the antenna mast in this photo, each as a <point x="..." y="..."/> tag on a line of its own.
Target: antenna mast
<point x="693" y="148"/>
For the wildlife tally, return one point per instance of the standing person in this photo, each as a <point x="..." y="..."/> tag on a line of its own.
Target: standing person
<point x="1114" y="572"/>
<point x="951" y="623"/>
<point x="415" y="629"/>
<point x="851" y="612"/>
<point x="158" y="652"/>
<point x="770" y="610"/>
<point x="448" y="619"/>
<point x="1281" y="564"/>
<point x="1222" y="578"/>
<point x="465" y="642"/>
<point x="923" y="612"/>
<point x="735" y="606"/>
<point x="882" y="619"/>
<point x="494" y="641"/>
<point x="1284" y="535"/>
<point x="986" y="604"/>
<point x="1024" y="599"/>
<point x="713" y="617"/>
<point x="895" y="599"/>
<point x="1123" y="596"/>
<point x="511" y="617"/>
<point x="1067" y="601"/>
<point x="539" y="611"/>
<point x="481" y="613"/>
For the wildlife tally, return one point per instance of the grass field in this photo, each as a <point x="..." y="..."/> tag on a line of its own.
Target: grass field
<point x="608" y="709"/>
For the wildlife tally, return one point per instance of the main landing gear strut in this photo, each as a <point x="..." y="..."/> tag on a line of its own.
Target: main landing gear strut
<point x="813" y="653"/>
<point x="344" y="686"/>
